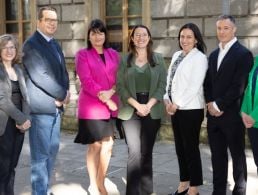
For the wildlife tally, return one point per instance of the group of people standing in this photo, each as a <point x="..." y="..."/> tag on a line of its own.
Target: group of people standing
<point x="134" y="88"/>
<point x="144" y="87"/>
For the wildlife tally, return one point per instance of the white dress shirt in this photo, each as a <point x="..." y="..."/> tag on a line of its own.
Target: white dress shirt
<point x="222" y="54"/>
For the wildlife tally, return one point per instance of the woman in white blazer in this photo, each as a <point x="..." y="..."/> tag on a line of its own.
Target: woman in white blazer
<point x="185" y="103"/>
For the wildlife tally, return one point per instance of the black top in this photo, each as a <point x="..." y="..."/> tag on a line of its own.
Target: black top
<point x="16" y="94"/>
<point x="102" y="57"/>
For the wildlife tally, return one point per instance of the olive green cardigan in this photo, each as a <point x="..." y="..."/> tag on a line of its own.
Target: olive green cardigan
<point x="126" y="87"/>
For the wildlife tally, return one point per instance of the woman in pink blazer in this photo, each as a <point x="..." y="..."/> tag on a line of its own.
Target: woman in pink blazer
<point x="96" y="67"/>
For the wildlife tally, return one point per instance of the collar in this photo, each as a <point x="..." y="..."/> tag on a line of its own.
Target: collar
<point x="45" y="36"/>
<point x="228" y="45"/>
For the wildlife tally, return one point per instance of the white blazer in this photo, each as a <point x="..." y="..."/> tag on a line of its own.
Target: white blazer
<point x="187" y="84"/>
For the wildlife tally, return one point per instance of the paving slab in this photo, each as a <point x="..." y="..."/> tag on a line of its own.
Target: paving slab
<point x="70" y="175"/>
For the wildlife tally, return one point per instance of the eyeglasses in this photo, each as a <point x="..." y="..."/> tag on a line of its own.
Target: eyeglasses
<point x="11" y="48"/>
<point x="50" y="20"/>
<point x="137" y="35"/>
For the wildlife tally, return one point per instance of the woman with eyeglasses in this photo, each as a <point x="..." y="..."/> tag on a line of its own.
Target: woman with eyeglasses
<point x="141" y="85"/>
<point x="14" y="112"/>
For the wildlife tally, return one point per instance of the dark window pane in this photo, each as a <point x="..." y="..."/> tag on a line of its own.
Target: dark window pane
<point x="116" y="46"/>
<point x="26" y="9"/>
<point x="11" y="9"/>
<point x="134" y="21"/>
<point x="114" y="24"/>
<point x="134" y="7"/>
<point x="26" y="30"/>
<point x="114" y="7"/>
<point x="12" y="28"/>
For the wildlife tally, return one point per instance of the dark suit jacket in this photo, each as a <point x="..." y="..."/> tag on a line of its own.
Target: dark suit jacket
<point x="48" y="78"/>
<point x="7" y="108"/>
<point x="226" y="86"/>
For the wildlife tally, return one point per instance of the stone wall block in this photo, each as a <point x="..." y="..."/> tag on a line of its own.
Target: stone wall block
<point x="211" y="44"/>
<point x="71" y="47"/>
<point x="60" y="1"/>
<point x="166" y="47"/>
<point x="253" y="6"/>
<point x="58" y="11"/>
<point x="244" y="42"/>
<point x="247" y="26"/>
<point x="159" y="28"/>
<point x="210" y="27"/>
<point x="203" y="7"/>
<point x="167" y="8"/>
<point x="253" y="46"/>
<point x="239" y="7"/>
<point x="176" y="24"/>
<point x="43" y="2"/>
<point x="73" y="12"/>
<point x="79" y="30"/>
<point x="64" y="31"/>
<point x="78" y="1"/>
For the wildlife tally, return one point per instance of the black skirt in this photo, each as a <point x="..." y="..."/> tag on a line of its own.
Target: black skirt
<point x="91" y="130"/>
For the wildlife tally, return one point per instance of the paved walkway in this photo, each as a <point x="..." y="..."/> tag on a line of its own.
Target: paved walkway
<point x="71" y="177"/>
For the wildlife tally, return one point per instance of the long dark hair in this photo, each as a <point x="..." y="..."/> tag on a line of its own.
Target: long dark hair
<point x="97" y="25"/>
<point x="132" y="50"/>
<point x="197" y="35"/>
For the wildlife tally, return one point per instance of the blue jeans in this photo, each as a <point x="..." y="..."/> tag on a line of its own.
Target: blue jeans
<point x="44" y="136"/>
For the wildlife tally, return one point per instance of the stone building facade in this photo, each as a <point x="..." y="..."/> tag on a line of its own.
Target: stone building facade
<point x="164" y="17"/>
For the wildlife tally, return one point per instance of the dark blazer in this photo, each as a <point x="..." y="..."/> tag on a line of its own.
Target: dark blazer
<point x="226" y="85"/>
<point x="7" y="108"/>
<point x="126" y="87"/>
<point x="48" y="78"/>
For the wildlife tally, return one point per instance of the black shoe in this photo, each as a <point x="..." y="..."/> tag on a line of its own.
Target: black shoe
<point x="180" y="193"/>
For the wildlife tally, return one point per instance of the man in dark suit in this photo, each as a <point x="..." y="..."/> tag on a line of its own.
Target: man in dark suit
<point x="48" y="86"/>
<point x="224" y="85"/>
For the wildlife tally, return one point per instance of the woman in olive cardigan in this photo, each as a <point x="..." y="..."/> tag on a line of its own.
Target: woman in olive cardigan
<point x="249" y="110"/>
<point x="141" y="85"/>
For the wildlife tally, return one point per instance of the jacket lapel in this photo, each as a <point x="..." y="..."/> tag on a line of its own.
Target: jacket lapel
<point x="5" y="75"/>
<point x="227" y="58"/>
<point x="215" y="62"/>
<point x="131" y="81"/>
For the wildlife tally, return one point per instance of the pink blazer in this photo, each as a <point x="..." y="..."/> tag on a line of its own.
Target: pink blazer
<point x="95" y="76"/>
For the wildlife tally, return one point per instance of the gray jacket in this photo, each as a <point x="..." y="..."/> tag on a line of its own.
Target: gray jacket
<point x="7" y="108"/>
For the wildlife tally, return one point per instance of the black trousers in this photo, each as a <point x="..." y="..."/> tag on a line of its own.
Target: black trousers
<point x="222" y="135"/>
<point x="186" y="127"/>
<point x="10" y="148"/>
<point x="253" y="137"/>
<point x="140" y="135"/>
